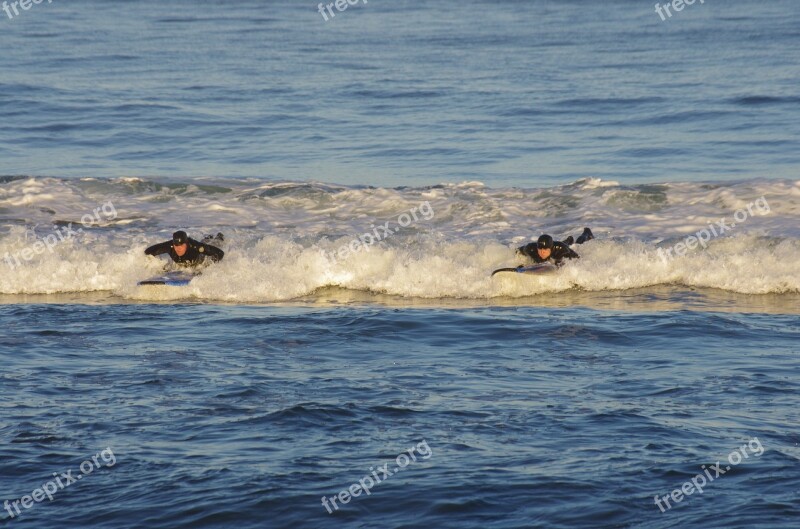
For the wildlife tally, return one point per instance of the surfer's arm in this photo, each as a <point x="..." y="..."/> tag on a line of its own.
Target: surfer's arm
<point x="562" y="251"/>
<point x="159" y="249"/>
<point x="529" y="250"/>
<point x="214" y="253"/>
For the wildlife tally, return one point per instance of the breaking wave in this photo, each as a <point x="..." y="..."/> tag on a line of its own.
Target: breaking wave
<point x="286" y="240"/>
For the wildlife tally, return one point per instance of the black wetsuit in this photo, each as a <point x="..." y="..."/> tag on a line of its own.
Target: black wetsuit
<point x="560" y="252"/>
<point x="196" y="252"/>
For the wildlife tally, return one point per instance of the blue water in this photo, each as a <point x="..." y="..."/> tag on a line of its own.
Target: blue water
<point x="280" y="378"/>
<point x="401" y="92"/>
<point x="223" y="416"/>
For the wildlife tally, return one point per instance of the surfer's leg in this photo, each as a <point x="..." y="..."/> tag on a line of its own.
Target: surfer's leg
<point x="587" y="235"/>
<point x="214" y="239"/>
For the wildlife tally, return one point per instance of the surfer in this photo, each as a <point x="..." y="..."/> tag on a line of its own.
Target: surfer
<point x="546" y="249"/>
<point x="186" y="251"/>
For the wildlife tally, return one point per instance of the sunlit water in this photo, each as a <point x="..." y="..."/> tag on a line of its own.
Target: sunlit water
<point x="401" y="92"/>
<point x="292" y="370"/>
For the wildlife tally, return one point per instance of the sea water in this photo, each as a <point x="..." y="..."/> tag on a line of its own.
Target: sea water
<point x="350" y="362"/>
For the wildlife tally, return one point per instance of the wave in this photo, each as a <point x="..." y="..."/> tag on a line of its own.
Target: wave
<point x="286" y="240"/>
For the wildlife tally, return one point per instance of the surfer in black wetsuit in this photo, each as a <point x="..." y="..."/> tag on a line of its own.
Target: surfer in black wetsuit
<point x="186" y="251"/>
<point x="546" y="249"/>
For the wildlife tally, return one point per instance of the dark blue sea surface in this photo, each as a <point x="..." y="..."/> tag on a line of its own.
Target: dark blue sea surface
<point x="247" y="416"/>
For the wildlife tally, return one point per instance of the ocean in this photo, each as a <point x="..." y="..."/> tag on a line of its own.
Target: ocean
<point x="351" y="362"/>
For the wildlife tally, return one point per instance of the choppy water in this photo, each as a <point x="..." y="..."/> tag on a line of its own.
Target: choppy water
<point x="291" y="371"/>
<point x="535" y="417"/>
<point x="402" y="92"/>
<point x="285" y="240"/>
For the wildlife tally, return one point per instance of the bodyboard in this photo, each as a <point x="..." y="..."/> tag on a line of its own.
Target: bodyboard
<point x="170" y="279"/>
<point x="537" y="269"/>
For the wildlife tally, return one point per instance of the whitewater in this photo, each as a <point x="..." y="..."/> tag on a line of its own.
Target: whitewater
<point x="284" y="240"/>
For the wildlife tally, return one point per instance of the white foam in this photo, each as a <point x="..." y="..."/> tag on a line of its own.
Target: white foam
<point x="276" y="235"/>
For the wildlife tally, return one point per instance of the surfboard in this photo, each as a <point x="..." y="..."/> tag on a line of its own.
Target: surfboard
<point x="170" y="279"/>
<point x="541" y="268"/>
